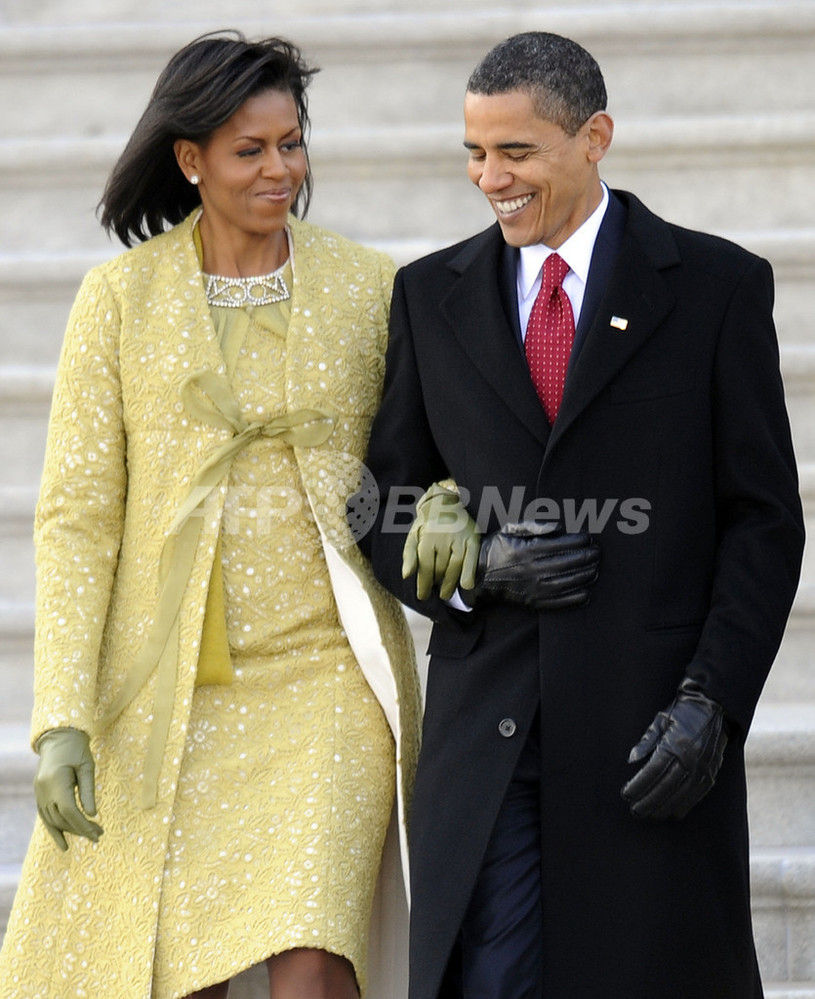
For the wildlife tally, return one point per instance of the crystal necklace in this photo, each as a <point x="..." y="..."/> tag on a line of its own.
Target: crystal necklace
<point x="237" y="292"/>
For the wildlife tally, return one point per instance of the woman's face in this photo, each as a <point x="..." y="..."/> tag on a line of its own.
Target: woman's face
<point x="251" y="168"/>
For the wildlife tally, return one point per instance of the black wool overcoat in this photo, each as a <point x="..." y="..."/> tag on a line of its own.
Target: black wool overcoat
<point x="673" y="447"/>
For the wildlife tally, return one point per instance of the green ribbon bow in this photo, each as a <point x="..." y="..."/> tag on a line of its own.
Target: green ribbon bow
<point x="208" y="398"/>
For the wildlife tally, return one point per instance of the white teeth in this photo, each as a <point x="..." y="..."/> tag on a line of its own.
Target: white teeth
<point x="505" y="207"/>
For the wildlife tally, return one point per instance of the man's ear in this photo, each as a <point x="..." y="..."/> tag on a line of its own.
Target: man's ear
<point x="600" y="131"/>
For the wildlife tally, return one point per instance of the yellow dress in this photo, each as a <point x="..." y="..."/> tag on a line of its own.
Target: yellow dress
<point x="137" y="915"/>
<point x="286" y="784"/>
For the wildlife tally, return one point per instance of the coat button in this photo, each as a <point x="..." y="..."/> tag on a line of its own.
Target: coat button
<point x="507" y="728"/>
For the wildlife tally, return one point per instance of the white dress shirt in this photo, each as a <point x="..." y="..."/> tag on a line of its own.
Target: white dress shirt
<point x="576" y="251"/>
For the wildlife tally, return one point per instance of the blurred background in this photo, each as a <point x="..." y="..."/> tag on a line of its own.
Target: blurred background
<point x="714" y="104"/>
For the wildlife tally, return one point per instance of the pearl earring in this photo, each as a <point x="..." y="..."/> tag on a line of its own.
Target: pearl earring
<point x="195" y="179"/>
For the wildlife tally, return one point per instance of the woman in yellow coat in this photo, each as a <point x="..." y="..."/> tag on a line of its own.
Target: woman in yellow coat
<point x="208" y="636"/>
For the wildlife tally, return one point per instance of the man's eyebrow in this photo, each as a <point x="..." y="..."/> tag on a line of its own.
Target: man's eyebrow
<point x="501" y="145"/>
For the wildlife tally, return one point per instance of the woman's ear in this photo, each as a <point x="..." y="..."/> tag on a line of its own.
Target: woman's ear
<point x="187" y="154"/>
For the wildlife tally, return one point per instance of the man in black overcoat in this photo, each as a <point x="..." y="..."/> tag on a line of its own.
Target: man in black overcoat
<point x="637" y="557"/>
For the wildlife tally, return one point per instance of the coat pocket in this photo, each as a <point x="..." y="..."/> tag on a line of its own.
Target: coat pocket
<point x="652" y="382"/>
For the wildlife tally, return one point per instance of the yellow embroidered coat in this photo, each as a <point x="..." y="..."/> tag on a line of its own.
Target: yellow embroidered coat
<point x="122" y="451"/>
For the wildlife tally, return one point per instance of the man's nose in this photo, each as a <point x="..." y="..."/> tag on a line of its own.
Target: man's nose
<point x="494" y="175"/>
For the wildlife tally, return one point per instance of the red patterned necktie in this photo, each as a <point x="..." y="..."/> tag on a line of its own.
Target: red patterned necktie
<point x="550" y="335"/>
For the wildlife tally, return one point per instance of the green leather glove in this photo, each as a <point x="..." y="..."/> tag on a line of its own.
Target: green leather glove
<point x="442" y="544"/>
<point x="66" y="764"/>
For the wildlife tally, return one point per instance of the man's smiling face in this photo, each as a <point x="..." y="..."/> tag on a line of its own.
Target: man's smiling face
<point x="542" y="182"/>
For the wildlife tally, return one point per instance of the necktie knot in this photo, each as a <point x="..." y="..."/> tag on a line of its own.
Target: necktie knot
<point x="554" y="271"/>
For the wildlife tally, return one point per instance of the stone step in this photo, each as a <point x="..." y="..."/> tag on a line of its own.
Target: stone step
<point x="387" y="111"/>
<point x="780" y="755"/>
<point x="16" y="545"/>
<point x="37" y="289"/>
<point x="789" y="990"/>
<point x="25" y="394"/>
<point x="783" y="876"/>
<point x="366" y="176"/>
<point x="656" y="57"/>
<point x="36" y="293"/>
<point x="688" y="183"/>
<point x="783" y="903"/>
<point x="17" y="809"/>
<point x="791" y="680"/>
<point x="103" y="12"/>
<point x="9" y="879"/>
<point x="792" y="677"/>
<point x="806" y="474"/>
<point x="16" y="663"/>
<point x="798" y="368"/>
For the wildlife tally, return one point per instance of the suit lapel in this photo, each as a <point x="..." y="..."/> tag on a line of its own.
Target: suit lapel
<point x="475" y="310"/>
<point x="637" y="294"/>
<point x="603" y="258"/>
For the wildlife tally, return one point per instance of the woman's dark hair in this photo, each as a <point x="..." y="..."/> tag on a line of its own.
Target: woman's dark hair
<point x="201" y="87"/>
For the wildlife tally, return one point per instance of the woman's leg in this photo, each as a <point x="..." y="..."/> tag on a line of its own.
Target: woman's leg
<point x="311" y="974"/>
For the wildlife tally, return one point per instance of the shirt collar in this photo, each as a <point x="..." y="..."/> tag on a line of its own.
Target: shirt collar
<point x="576" y="251"/>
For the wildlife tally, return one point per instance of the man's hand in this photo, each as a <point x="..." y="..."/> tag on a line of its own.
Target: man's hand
<point x="66" y="764"/>
<point x="683" y="749"/>
<point x="442" y="544"/>
<point x="535" y="565"/>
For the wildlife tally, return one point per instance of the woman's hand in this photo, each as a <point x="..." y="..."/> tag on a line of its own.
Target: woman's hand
<point x="443" y="543"/>
<point x="66" y="764"/>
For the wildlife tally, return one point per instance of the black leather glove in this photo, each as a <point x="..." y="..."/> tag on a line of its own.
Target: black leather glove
<point x="535" y="565"/>
<point x="683" y="749"/>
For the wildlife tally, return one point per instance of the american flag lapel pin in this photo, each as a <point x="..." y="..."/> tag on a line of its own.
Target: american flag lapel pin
<point x="618" y="323"/>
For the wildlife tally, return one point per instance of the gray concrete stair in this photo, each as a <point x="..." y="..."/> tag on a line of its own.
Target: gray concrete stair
<point x="781" y="768"/>
<point x="17" y="811"/>
<point x="364" y="177"/>
<point x="781" y="785"/>
<point x="682" y="80"/>
<point x="714" y="102"/>
<point x="789" y="990"/>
